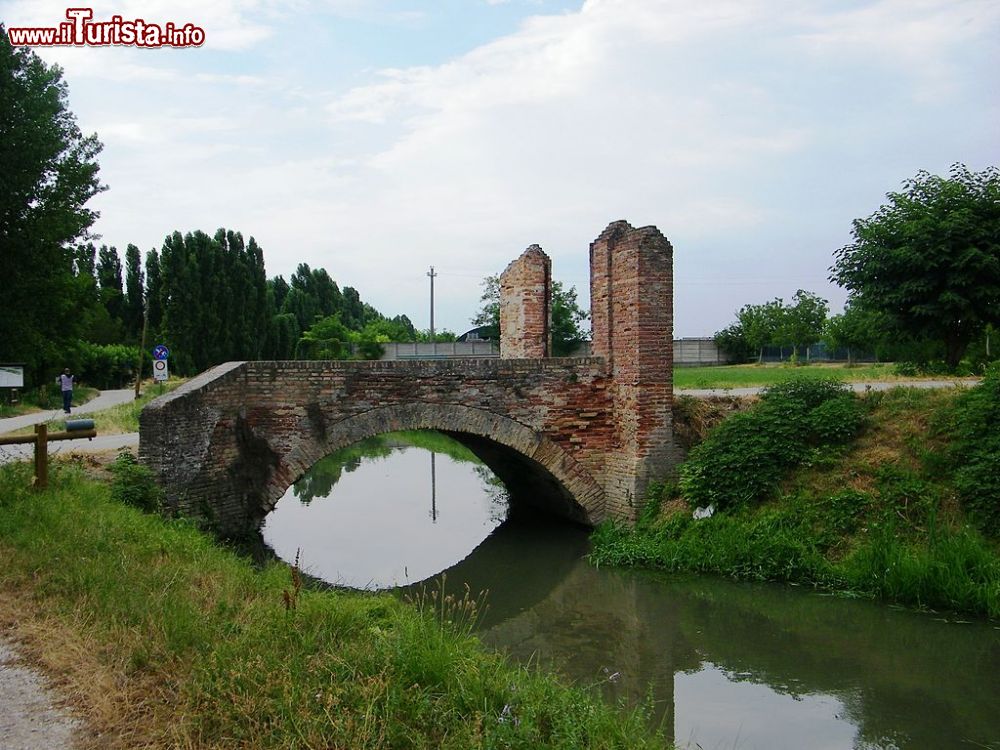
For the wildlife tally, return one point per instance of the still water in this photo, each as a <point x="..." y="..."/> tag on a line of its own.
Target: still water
<point x="729" y="665"/>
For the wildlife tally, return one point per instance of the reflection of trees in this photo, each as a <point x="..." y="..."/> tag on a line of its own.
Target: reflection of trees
<point x="320" y="480"/>
<point x="494" y="490"/>
<point x="905" y="679"/>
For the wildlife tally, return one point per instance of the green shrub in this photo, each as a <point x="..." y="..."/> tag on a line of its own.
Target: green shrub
<point x="837" y="421"/>
<point x="907" y="369"/>
<point x="107" y="365"/>
<point x="975" y="451"/>
<point x="134" y="483"/>
<point x="745" y="458"/>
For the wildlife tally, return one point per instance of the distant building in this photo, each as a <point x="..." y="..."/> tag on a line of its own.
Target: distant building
<point x="482" y="333"/>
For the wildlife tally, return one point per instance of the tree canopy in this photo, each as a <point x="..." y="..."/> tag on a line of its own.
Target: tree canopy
<point x="797" y="325"/>
<point x="48" y="173"/>
<point x="929" y="259"/>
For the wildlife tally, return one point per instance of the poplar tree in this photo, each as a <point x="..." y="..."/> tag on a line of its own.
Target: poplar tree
<point x="134" y="293"/>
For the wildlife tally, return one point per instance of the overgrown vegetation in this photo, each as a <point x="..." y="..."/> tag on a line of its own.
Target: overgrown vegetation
<point x="745" y="457"/>
<point x="905" y="511"/>
<point x="166" y="640"/>
<point x="134" y="483"/>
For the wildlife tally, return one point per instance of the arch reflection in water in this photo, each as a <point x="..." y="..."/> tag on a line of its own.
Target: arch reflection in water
<point x="384" y="513"/>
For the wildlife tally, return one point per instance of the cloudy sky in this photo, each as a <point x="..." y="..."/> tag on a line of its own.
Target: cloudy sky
<point x="376" y="138"/>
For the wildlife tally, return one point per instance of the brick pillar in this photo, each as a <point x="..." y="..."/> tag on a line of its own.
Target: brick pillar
<point x="632" y="311"/>
<point x="525" y="308"/>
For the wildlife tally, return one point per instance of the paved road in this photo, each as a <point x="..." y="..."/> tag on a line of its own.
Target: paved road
<point x="105" y="400"/>
<point x="67" y="447"/>
<point x="857" y="387"/>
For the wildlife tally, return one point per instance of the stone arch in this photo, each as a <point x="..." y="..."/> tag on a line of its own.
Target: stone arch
<point x="522" y="457"/>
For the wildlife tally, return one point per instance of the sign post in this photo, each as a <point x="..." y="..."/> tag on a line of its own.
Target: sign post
<point x="160" y="370"/>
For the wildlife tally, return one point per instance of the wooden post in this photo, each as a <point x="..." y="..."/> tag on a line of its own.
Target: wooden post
<point x="41" y="456"/>
<point x="142" y="348"/>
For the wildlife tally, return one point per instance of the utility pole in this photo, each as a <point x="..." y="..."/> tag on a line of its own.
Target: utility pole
<point x="431" y="274"/>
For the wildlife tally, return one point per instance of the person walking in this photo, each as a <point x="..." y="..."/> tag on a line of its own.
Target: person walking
<point x="66" y="384"/>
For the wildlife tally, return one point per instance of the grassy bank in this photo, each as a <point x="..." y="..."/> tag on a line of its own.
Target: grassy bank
<point x="164" y="639"/>
<point x="888" y="496"/>
<point x="745" y="376"/>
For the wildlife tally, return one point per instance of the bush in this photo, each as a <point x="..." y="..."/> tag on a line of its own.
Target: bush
<point x="106" y="366"/>
<point x="975" y="451"/>
<point x="745" y="458"/>
<point x="134" y="483"/>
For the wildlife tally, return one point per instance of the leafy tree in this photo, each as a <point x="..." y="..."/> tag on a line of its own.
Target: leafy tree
<point x="567" y="321"/>
<point x="213" y="291"/>
<point x="855" y="330"/>
<point x="328" y="338"/>
<point x="48" y="172"/>
<point x="800" y="324"/>
<point x="930" y="258"/>
<point x="759" y="324"/>
<point x="442" y="336"/>
<point x="733" y="341"/>
<point x="489" y="313"/>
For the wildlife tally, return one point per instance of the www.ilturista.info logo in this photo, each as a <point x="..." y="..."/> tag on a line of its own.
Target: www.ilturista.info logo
<point x="80" y="30"/>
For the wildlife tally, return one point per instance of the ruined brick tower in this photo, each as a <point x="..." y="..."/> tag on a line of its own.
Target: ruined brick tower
<point x="631" y="303"/>
<point x="525" y="306"/>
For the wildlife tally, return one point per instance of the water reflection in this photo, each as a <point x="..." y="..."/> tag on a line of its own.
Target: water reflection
<point x="741" y="665"/>
<point x="382" y="514"/>
<point x="729" y="665"/>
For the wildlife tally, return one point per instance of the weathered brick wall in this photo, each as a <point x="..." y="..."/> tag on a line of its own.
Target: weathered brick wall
<point x="631" y="272"/>
<point x="525" y="300"/>
<point x="227" y="445"/>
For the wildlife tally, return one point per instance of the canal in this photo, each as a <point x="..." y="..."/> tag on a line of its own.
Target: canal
<point x="723" y="664"/>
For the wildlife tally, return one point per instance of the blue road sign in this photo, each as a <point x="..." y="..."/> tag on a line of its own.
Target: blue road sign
<point x="160" y="352"/>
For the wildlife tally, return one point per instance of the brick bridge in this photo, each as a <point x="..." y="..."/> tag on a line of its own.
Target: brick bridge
<point x="580" y="437"/>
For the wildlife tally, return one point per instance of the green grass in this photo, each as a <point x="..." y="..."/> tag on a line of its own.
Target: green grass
<point x="744" y="376"/>
<point x="166" y="640"/>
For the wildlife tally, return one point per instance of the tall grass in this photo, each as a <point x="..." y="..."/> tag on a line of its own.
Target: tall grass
<point x="167" y="640"/>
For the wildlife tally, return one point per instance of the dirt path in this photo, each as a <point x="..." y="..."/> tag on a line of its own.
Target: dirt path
<point x="30" y="716"/>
